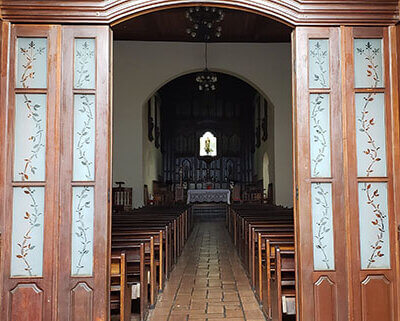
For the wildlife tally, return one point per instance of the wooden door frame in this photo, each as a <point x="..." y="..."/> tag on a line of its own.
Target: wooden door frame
<point x="112" y="12"/>
<point x="291" y="12"/>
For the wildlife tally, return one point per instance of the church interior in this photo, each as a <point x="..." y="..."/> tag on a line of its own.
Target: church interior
<point x="202" y="198"/>
<point x="199" y="160"/>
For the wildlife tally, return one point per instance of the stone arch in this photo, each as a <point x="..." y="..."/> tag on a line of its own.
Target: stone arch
<point x="219" y="70"/>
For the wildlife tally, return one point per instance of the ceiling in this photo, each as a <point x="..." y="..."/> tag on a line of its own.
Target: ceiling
<point x="171" y="25"/>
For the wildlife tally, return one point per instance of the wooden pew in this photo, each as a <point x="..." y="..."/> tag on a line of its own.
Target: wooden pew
<point x="149" y="259"/>
<point x="163" y="232"/>
<point x="257" y="230"/>
<point x="265" y="255"/>
<point x="120" y="298"/>
<point x="283" y="284"/>
<point x="269" y="268"/>
<point x="157" y="248"/>
<point x="136" y="272"/>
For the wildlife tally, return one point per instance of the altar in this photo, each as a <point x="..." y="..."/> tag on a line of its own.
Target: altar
<point x="209" y="196"/>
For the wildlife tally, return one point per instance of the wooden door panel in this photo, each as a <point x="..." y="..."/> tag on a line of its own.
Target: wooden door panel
<point x="30" y="172"/>
<point x="26" y="301"/>
<point x="325" y="299"/>
<point x="377" y="294"/>
<point x="81" y="303"/>
<point x="84" y="183"/>
<point x="321" y="244"/>
<point x="370" y="172"/>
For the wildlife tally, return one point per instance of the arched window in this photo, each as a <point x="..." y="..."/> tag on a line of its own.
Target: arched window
<point x="208" y="145"/>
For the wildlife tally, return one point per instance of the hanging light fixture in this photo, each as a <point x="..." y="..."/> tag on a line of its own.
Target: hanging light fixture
<point x="206" y="80"/>
<point x="206" y="22"/>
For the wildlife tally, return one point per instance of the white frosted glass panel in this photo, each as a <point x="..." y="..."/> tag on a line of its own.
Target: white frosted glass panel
<point x="371" y="137"/>
<point x="318" y="63"/>
<point x="368" y="62"/>
<point x="84" y="63"/>
<point x="320" y="141"/>
<point x="31" y="63"/>
<point x="30" y="137"/>
<point x="374" y="226"/>
<point x="82" y="230"/>
<point x="27" y="231"/>
<point x="84" y="137"/>
<point x="324" y="255"/>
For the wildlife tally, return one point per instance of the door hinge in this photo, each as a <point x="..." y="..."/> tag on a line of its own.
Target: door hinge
<point x="398" y="232"/>
<point x="108" y="196"/>
<point x="297" y="193"/>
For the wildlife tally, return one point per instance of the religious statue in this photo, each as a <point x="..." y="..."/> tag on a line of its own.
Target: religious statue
<point x="207" y="146"/>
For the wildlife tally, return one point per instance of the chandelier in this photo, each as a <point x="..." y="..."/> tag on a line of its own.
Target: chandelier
<point x="206" y="80"/>
<point x="206" y="22"/>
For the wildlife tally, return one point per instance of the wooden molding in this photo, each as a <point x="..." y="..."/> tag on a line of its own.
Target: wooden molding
<point x="291" y="12"/>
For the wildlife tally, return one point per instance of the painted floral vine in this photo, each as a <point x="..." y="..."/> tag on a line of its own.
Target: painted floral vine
<point x="83" y="57"/>
<point x="320" y="55"/>
<point x="319" y="135"/>
<point x="323" y="224"/>
<point x="82" y="229"/>
<point x="370" y="54"/>
<point x="37" y="139"/>
<point x="372" y="150"/>
<point x="30" y="53"/>
<point x="32" y="218"/>
<point x="367" y="123"/>
<point x="84" y="134"/>
<point x="378" y="222"/>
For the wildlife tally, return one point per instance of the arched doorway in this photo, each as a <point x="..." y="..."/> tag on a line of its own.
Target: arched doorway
<point x="338" y="291"/>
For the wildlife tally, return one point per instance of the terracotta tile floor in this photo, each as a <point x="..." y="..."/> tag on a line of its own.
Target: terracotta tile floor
<point x="208" y="283"/>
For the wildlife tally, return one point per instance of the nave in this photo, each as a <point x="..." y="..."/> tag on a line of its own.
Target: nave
<point x="209" y="282"/>
<point x="175" y="263"/>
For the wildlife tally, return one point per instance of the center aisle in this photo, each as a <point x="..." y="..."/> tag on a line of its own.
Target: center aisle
<point x="208" y="283"/>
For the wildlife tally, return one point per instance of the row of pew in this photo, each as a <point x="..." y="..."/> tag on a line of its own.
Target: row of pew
<point x="145" y="245"/>
<point x="264" y="238"/>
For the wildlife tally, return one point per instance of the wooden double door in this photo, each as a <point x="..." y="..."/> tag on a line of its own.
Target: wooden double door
<point x="55" y="122"/>
<point x="346" y="131"/>
<point x="55" y="176"/>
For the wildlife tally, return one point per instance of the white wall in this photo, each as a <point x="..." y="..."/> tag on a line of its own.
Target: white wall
<point x="141" y="68"/>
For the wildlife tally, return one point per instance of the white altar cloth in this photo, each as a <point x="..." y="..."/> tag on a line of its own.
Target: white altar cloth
<point x="209" y="196"/>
